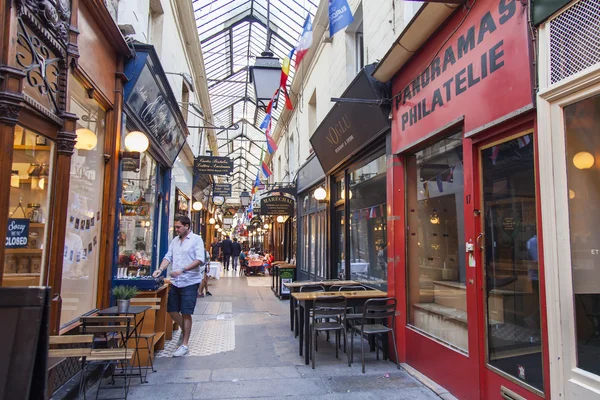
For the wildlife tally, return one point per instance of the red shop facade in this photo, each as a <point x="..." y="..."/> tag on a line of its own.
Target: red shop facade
<point x="464" y="227"/>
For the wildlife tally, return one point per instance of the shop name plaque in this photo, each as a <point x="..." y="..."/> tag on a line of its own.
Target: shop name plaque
<point x="17" y="233"/>
<point x="222" y="189"/>
<point x="213" y="165"/>
<point x="277" y="205"/>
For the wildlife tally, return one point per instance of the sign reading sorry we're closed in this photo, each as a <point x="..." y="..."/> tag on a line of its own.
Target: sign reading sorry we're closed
<point x="17" y="233"/>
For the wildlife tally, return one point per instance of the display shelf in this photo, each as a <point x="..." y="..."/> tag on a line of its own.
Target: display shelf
<point x="24" y="274"/>
<point x="31" y="147"/>
<point x="23" y="251"/>
<point x="36" y="225"/>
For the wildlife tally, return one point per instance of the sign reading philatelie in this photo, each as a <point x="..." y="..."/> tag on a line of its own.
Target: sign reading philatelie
<point x="213" y="165"/>
<point x="277" y="205"/>
<point x="17" y="233"/>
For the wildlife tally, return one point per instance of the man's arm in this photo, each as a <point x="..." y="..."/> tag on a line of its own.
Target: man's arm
<point x="165" y="262"/>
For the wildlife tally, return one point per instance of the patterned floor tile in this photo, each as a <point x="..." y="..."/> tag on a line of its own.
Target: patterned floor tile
<point x="259" y="281"/>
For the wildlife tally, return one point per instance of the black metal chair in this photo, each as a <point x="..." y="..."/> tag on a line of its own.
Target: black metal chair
<point x="352" y="315"/>
<point x="329" y="313"/>
<point x="306" y="289"/>
<point x="375" y="310"/>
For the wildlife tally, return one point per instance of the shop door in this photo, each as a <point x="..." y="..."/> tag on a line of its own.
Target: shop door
<point x="508" y="269"/>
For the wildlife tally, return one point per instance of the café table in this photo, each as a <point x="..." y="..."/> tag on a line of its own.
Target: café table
<point x="306" y="301"/>
<point x="138" y="312"/>
<point x="295" y="287"/>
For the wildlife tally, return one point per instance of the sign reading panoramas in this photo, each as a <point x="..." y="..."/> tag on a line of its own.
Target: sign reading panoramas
<point x="277" y="205"/>
<point x="213" y="165"/>
<point x="482" y="73"/>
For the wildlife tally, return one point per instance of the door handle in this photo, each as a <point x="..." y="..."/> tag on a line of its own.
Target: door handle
<point x="479" y="241"/>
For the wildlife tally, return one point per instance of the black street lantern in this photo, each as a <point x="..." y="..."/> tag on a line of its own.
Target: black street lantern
<point x="266" y="75"/>
<point x="245" y="199"/>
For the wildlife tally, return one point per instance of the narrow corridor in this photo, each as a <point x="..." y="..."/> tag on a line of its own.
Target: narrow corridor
<point x="242" y="348"/>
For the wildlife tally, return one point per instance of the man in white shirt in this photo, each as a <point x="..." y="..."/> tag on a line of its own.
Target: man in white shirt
<point x="186" y="255"/>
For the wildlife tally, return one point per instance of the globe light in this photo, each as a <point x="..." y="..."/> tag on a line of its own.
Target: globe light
<point x="571" y="194"/>
<point x="197" y="206"/>
<point x="136" y="141"/>
<point x="280" y="218"/>
<point x="266" y="226"/>
<point x="86" y="139"/>
<point x="583" y="160"/>
<point x="218" y="227"/>
<point x="211" y="221"/>
<point x="320" y="194"/>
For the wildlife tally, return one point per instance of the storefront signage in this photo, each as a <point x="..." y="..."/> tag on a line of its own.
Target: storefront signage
<point x="213" y="165"/>
<point x="17" y="233"/>
<point x="483" y="73"/>
<point x="277" y="205"/>
<point x="150" y="103"/>
<point x="350" y="126"/>
<point x="222" y="189"/>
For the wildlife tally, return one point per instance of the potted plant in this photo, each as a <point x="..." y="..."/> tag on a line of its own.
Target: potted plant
<point x="124" y="294"/>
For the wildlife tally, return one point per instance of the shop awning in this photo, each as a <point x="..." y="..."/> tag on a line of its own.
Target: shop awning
<point x="424" y="24"/>
<point x="352" y="124"/>
<point x="543" y="9"/>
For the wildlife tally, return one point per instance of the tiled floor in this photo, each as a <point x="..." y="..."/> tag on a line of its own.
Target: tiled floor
<point x="241" y="347"/>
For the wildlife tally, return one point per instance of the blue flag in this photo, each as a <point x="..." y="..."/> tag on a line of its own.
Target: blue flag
<point x="340" y="16"/>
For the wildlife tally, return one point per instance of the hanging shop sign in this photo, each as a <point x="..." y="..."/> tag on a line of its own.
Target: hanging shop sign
<point x="151" y="106"/>
<point x="277" y="205"/>
<point x="349" y="127"/>
<point x="222" y="189"/>
<point x="17" y="233"/>
<point x="482" y="74"/>
<point x="213" y="165"/>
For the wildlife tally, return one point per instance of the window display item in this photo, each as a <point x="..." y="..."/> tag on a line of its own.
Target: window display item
<point x="15" y="181"/>
<point x="36" y="265"/>
<point x="10" y="265"/>
<point x="23" y="265"/>
<point x="34" y="212"/>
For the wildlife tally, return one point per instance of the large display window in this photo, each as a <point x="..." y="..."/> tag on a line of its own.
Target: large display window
<point x="82" y="238"/>
<point x="27" y="229"/>
<point x="368" y="224"/>
<point x="313" y="237"/>
<point x="436" y="265"/>
<point x="582" y="120"/>
<point x="137" y="220"/>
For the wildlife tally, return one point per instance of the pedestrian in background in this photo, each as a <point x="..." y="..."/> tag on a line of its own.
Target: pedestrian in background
<point x="215" y="248"/>
<point x="236" y="249"/>
<point x="226" y="249"/>
<point x="186" y="255"/>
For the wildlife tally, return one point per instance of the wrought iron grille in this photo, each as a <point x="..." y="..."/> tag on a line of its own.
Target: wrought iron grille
<point x="574" y="39"/>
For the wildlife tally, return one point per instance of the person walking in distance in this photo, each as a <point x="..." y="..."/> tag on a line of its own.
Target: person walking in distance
<point x="215" y="247"/>
<point x="186" y="255"/>
<point x="226" y="248"/>
<point x="236" y="249"/>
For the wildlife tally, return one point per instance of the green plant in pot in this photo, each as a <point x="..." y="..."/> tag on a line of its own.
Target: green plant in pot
<point x="124" y="294"/>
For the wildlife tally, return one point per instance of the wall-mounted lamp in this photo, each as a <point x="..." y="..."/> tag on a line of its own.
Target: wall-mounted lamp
<point x="320" y="194"/>
<point x="197" y="206"/>
<point x="583" y="160"/>
<point x="280" y="219"/>
<point x="136" y="141"/>
<point x="217" y="227"/>
<point x="86" y="139"/>
<point x="266" y="226"/>
<point x="211" y="221"/>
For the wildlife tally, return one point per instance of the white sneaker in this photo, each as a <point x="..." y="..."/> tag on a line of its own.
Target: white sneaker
<point x="181" y="351"/>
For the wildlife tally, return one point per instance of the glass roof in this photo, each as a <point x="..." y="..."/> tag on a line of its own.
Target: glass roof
<point x="233" y="33"/>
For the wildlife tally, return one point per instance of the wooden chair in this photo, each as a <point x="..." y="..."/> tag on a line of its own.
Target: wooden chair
<point x="149" y="337"/>
<point x="79" y="346"/>
<point x="112" y="332"/>
<point x="375" y="310"/>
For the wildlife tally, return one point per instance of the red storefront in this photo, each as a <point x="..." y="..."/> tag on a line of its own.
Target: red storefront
<point x="463" y="202"/>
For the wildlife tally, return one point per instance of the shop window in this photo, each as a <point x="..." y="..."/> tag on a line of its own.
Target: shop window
<point x="82" y="237"/>
<point x="340" y="233"/>
<point x="582" y="120"/>
<point x="368" y="224"/>
<point x="436" y="266"/>
<point x="27" y="232"/>
<point x="360" y="50"/>
<point x="137" y="222"/>
<point x="312" y="112"/>
<point x="510" y="259"/>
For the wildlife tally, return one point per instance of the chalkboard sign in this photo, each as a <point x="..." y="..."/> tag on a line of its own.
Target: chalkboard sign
<point x="17" y="233"/>
<point x="213" y="165"/>
<point x="222" y="189"/>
